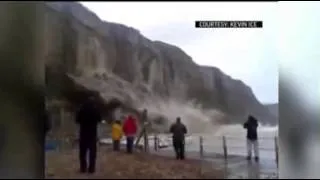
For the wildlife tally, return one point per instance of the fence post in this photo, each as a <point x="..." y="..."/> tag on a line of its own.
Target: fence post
<point x="276" y="150"/>
<point x="155" y="142"/>
<point x="146" y="125"/>
<point x="225" y="150"/>
<point x="201" y="146"/>
<point x="201" y="153"/>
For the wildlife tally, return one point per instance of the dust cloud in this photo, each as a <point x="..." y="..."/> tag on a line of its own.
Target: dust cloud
<point x="162" y="112"/>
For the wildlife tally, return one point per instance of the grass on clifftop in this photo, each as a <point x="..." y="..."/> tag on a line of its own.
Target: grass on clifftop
<point x="119" y="165"/>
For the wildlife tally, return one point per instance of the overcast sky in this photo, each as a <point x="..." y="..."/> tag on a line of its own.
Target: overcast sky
<point x="246" y="54"/>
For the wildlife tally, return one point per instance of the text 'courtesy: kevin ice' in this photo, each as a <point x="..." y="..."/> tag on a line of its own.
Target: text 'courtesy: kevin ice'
<point x="228" y="24"/>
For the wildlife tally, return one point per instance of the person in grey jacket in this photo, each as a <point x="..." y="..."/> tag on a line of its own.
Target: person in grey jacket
<point x="178" y="130"/>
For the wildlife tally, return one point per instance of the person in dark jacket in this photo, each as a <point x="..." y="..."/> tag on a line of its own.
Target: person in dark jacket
<point x="130" y="130"/>
<point x="47" y="128"/>
<point x="47" y="123"/>
<point x="88" y="118"/>
<point x="252" y="137"/>
<point x="178" y="130"/>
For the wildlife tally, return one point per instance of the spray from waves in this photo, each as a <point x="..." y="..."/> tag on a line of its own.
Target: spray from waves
<point x="141" y="97"/>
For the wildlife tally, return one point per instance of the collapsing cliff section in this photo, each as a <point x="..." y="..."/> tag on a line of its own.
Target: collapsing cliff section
<point x="118" y="61"/>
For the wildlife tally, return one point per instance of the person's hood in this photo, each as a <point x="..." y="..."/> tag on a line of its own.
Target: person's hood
<point x="116" y="125"/>
<point x="131" y="119"/>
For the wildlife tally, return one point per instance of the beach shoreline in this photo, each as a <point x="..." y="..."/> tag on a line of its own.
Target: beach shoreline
<point x="119" y="165"/>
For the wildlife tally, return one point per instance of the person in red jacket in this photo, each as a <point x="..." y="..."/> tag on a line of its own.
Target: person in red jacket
<point x="130" y="130"/>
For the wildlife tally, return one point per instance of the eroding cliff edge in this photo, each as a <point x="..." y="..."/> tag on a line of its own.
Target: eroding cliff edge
<point x="119" y="62"/>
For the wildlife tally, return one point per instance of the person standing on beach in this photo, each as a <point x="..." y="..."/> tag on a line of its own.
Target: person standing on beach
<point x="178" y="129"/>
<point x="47" y="123"/>
<point x="252" y="137"/>
<point x="116" y="135"/>
<point x="130" y="130"/>
<point x="88" y="118"/>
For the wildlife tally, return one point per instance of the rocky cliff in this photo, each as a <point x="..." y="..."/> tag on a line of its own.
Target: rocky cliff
<point x="119" y="62"/>
<point x="274" y="109"/>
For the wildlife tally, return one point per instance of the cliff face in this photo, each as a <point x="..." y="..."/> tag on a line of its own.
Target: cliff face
<point x="119" y="62"/>
<point x="274" y="109"/>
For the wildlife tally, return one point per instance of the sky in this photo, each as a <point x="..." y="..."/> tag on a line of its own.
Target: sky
<point x="250" y="55"/>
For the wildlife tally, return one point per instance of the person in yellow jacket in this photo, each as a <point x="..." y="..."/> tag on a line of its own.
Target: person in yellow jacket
<point x="116" y="135"/>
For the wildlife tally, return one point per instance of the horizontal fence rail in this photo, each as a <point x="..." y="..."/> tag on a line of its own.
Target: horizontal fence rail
<point x="222" y="145"/>
<point x="204" y="146"/>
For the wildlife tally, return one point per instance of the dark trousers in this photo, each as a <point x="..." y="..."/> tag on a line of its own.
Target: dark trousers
<point x="179" y="148"/>
<point x="116" y="145"/>
<point x="130" y="141"/>
<point x="86" y="146"/>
